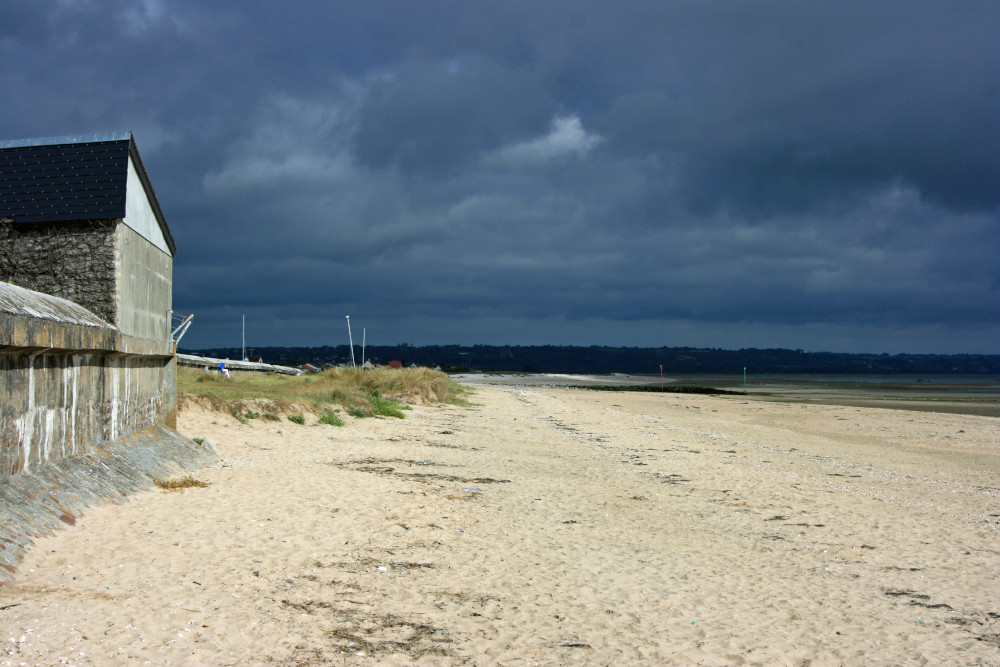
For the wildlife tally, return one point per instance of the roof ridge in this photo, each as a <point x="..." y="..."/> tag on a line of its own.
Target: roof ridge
<point x="91" y="138"/>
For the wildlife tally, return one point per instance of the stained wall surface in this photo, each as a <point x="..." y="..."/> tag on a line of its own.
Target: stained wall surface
<point x="70" y="382"/>
<point x="60" y="404"/>
<point x="145" y="284"/>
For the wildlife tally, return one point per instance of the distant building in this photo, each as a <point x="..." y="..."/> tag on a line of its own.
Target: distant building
<point x="395" y="364"/>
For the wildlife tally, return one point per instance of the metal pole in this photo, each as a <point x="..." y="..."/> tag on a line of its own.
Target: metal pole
<point x="244" y="338"/>
<point x="744" y="379"/>
<point x="350" y="339"/>
<point x="363" y="332"/>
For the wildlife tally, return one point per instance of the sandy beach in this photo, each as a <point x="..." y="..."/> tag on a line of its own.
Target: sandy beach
<point x="544" y="526"/>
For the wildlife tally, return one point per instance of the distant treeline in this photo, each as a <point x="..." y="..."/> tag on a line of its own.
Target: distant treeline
<point x="635" y="360"/>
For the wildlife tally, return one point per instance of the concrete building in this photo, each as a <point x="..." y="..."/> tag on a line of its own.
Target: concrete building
<point x="87" y="364"/>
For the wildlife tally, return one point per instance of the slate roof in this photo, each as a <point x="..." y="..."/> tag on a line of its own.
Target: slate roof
<point x="71" y="178"/>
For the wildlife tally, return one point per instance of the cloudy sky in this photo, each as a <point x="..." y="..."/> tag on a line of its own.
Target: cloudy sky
<point x="815" y="175"/>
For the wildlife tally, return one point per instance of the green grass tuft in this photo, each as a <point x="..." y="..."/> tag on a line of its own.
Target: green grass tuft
<point x="385" y="407"/>
<point x="331" y="418"/>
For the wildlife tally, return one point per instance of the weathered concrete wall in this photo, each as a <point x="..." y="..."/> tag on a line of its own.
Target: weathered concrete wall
<point x="59" y="404"/>
<point x="71" y="381"/>
<point x="145" y="287"/>
<point x="73" y="260"/>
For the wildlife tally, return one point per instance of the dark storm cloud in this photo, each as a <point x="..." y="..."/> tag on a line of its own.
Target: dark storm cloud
<point x="814" y="175"/>
<point x="434" y="119"/>
<point x="796" y="104"/>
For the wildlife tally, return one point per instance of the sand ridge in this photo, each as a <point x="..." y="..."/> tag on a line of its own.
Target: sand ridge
<point x="542" y="526"/>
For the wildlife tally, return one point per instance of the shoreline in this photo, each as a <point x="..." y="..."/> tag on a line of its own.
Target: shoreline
<point x="965" y="395"/>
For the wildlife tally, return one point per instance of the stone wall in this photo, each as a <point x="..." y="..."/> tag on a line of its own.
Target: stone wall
<point x="73" y="260"/>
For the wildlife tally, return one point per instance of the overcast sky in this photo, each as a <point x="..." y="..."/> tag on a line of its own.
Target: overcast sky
<point x="815" y="175"/>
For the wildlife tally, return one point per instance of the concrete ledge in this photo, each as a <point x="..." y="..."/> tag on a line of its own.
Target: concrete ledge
<point x="37" y="503"/>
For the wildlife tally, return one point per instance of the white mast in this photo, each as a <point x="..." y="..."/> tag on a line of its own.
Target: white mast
<point x="350" y="339"/>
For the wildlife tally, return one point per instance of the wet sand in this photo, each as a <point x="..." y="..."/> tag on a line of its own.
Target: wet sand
<point x="955" y="394"/>
<point x="542" y="526"/>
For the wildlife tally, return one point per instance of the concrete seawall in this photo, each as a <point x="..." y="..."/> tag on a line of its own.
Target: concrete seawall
<point x="86" y="414"/>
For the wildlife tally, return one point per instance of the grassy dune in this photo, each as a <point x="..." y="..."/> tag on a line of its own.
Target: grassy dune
<point x="379" y="392"/>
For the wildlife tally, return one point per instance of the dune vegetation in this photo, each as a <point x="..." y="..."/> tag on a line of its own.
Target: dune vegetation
<point x="381" y="392"/>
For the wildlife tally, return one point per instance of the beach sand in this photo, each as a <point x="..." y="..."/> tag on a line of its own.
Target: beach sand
<point x="541" y="526"/>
